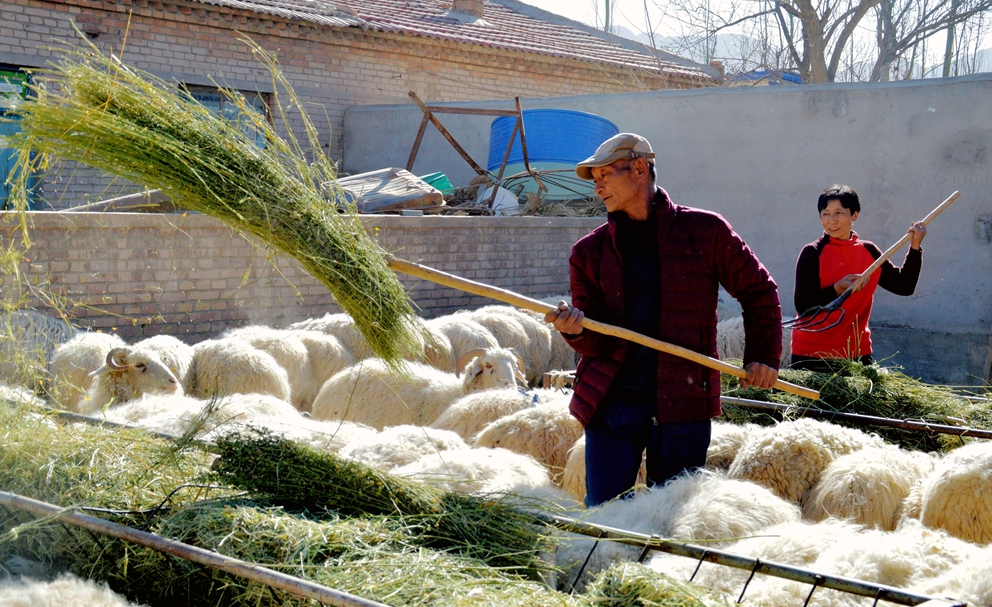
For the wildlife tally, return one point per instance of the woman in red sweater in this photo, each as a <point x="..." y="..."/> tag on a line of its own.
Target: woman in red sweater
<point x="828" y="266"/>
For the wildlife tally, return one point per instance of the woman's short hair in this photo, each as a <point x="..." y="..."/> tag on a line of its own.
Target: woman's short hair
<point x="844" y="193"/>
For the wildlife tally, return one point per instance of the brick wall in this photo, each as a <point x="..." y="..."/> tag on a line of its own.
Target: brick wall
<point x="191" y="276"/>
<point x="331" y="69"/>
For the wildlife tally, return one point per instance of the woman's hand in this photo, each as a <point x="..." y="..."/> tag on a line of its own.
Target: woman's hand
<point x="918" y="230"/>
<point x="841" y="285"/>
<point x="565" y="318"/>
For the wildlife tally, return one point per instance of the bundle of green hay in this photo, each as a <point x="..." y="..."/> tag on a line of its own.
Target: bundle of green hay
<point x="868" y="390"/>
<point x="302" y="479"/>
<point x="93" y="109"/>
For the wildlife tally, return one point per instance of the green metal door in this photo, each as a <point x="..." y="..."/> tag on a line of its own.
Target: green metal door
<point x="7" y="158"/>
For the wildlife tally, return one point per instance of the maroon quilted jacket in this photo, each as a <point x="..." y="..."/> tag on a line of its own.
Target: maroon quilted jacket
<point x="698" y="251"/>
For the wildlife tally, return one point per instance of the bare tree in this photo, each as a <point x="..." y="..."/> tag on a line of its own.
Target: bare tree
<point x="817" y="37"/>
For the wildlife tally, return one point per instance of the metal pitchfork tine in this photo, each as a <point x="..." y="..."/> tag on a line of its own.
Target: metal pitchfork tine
<point x="817" y="316"/>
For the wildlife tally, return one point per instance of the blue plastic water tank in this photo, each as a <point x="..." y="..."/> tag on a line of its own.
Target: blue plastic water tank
<point x="553" y="136"/>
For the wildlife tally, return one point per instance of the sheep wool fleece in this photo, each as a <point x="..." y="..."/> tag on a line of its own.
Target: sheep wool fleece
<point x="698" y="251"/>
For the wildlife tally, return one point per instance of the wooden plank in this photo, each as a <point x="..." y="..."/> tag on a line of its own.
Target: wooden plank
<point x="436" y="109"/>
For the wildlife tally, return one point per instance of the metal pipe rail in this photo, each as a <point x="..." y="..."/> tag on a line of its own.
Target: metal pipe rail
<point x="651" y="542"/>
<point x="214" y="560"/>
<point x="905" y="424"/>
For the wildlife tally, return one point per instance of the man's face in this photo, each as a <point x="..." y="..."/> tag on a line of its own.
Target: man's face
<point x="617" y="185"/>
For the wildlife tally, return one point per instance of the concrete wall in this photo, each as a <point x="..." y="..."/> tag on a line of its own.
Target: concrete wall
<point x="189" y="275"/>
<point x="760" y="156"/>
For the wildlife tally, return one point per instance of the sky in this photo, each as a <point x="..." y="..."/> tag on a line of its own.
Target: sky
<point x="627" y="13"/>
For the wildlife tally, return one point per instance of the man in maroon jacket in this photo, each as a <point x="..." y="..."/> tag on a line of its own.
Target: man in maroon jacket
<point x="655" y="267"/>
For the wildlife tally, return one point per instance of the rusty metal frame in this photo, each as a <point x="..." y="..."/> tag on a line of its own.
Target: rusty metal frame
<point x="518" y="127"/>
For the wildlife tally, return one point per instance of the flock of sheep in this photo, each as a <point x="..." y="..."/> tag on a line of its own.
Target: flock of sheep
<point x="466" y="416"/>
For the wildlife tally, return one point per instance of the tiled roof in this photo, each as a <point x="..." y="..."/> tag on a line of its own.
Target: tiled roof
<point x="315" y="11"/>
<point x="501" y="27"/>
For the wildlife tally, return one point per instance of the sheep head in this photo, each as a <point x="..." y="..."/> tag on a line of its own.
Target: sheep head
<point x="492" y="368"/>
<point x="130" y="373"/>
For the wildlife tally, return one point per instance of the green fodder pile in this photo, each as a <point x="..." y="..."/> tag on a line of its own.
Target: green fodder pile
<point x="869" y="390"/>
<point x="125" y="472"/>
<point x="299" y="478"/>
<point x="634" y="585"/>
<point x="93" y="109"/>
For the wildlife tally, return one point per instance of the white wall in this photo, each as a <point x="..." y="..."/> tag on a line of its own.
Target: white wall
<point x="760" y="156"/>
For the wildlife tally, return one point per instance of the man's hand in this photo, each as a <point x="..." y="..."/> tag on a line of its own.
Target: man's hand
<point x="759" y="376"/>
<point x="565" y="318"/>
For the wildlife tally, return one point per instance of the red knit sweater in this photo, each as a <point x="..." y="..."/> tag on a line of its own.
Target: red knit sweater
<point x="698" y="251"/>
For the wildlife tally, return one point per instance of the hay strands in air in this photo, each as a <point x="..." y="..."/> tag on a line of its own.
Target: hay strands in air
<point x="93" y="109"/>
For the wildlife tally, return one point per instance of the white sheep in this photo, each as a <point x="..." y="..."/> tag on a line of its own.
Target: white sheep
<point x="867" y="486"/>
<point x="436" y="349"/>
<point x="957" y="496"/>
<point x="176" y="355"/>
<point x="72" y="363"/>
<point x="545" y="432"/>
<point x="703" y="504"/>
<point x="911" y="505"/>
<point x="725" y="440"/>
<point x="371" y="393"/>
<point x="398" y="446"/>
<point x="563" y="356"/>
<point x="178" y="414"/>
<point x="158" y="412"/>
<point x="128" y="373"/>
<point x="232" y="366"/>
<point x="464" y="335"/>
<point x="65" y="590"/>
<point x="208" y="419"/>
<point x="789" y="457"/>
<point x="516" y="329"/>
<point x="724" y="510"/>
<point x="291" y="354"/>
<point x="730" y="340"/>
<point x="474" y="411"/>
<point x="792" y="543"/>
<point x="341" y="326"/>
<point x="970" y="581"/>
<point x="912" y="557"/>
<point x="480" y="471"/>
<point x="327" y="356"/>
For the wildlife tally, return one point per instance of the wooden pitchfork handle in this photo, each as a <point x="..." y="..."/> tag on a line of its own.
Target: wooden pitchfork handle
<point x="898" y="245"/>
<point x="469" y="286"/>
